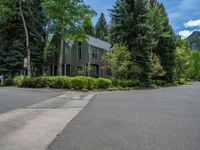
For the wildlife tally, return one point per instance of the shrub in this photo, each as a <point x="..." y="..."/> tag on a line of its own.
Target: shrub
<point x="159" y="82"/>
<point x="79" y="83"/>
<point x="103" y="83"/>
<point x="18" y="80"/>
<point x="33" y="82"/>
<point x="8" y="81"/>
<point x="125" y="83"/>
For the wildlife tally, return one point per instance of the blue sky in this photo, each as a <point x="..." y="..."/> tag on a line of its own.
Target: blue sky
<point x="184" y="15"/>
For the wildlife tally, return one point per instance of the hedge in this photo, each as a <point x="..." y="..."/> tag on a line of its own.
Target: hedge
<point x="76" y="83"/>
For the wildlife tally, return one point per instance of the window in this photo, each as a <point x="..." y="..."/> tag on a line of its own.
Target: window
<point x="79" y="51"/>
<point x="95" y="53"/>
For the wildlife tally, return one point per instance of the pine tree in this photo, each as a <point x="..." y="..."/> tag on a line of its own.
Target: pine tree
<point x="130" y="25"/>
<point x="166" y="48"/>
<point x="101" y="28"/>
<point x="12" y="49"/>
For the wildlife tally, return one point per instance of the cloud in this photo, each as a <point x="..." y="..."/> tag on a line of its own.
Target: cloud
<point x="185" y="33"/>
<point x="192" y="23"/>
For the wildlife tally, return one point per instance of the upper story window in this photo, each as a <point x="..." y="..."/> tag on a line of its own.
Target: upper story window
<point x="79" y="50"/>
<point x="95" y="53"/>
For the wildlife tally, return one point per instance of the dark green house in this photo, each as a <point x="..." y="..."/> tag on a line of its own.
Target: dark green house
<point x="82" y="58"/>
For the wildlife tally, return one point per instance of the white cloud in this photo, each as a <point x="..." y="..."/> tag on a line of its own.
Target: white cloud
<point x="192" y="23"/>
<point x="185" y="33"/>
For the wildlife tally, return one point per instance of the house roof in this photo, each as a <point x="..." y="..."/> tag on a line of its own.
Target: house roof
<point x="98" y="43"/>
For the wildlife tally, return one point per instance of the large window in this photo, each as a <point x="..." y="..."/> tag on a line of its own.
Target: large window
<point x="79" y="50"/>
<point x="95" y="53"/>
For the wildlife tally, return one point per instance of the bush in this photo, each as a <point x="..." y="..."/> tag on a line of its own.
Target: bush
<point x="159" y="82"/>
<point x="8" y="81"/>
<point x="18" y="80"/>
<point x="76" y="83"/>
<point x="33" y="82"/>
<point x="79" y="83"/>
<point x="92" y="83"/>
<point x="103" y="83"/>
<point x="125" y="83"/>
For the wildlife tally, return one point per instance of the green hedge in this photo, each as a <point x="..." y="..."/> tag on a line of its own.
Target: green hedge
<point x="76" y="83"/>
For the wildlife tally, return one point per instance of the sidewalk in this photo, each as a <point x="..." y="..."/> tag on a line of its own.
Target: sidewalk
<point x="35" y="127"/>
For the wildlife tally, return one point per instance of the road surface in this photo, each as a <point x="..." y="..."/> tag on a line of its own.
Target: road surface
<point x="159" y="119"/>
<point x="12" y="98"/>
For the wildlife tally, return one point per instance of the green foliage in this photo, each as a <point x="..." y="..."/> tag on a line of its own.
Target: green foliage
<point x="8" y="81"/>
<point x="159" y="82"/>
<point x="12" y="36"/>
<point x="76" y="83"/>
<point x="103" y="83"/>
<point x="125" y="83"/>
<point x="101" y="28"/>
<point x="119" y="61"/>
<point x="194" y="64"/>
<point x="130" y="25"/>
<point x="157" y="69"/>
<point x="68" y="20"/>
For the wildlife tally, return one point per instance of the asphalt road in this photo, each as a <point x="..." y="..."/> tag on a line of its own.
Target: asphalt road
<point x="12" y="98"/>
<point x="161" y="119"/>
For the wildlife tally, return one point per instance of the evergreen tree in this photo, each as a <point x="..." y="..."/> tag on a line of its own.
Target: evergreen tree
<point x="89" y="29"/>
<point x="166" y="48"/>
<point x="101" y="28"/>
<point x="13" y="48"/>
<point x="130" y="25"/>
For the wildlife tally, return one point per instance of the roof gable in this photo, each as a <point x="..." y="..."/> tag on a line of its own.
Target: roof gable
<point x="98" y="43"/>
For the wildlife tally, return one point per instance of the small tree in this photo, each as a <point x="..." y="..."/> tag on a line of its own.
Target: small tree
<point x="194" y="69"/>
<point x="119" y="61"/>
<point x="68" y="19"/>
<point x="181" y="63"/>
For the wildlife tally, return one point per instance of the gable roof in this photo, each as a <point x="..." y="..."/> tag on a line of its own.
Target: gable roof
<point x="98" y="43"/>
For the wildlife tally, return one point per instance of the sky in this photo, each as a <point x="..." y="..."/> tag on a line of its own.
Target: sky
<point x="184" y="15"/>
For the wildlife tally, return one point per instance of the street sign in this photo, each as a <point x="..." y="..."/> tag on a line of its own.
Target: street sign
<point x="25" y="62"/>
<point x="1" y="78"/>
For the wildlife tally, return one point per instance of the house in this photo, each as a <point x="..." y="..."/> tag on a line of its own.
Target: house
<point x="82" y="58"/>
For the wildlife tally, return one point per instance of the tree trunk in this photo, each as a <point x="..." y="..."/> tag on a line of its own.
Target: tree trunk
<point x="61" y="57"/>
<point x="27" y="40"/>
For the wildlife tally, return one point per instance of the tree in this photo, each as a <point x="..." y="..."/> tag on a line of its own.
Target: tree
<point x="101" y="28"/>
<point x="194" y="62"/>
<point x="21" y="29"/>
<point x="118" y="60"/>
<point x="166" y="47"/>
<point x="130" y="25"/>
<point x="68" y="19"/>
<point x="8" y="10"/>
<point x="89" y="30"/>
<point x="182" y="58"/>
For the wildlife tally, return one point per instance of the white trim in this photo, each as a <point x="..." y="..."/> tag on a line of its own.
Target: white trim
<point x="78" y="50"/>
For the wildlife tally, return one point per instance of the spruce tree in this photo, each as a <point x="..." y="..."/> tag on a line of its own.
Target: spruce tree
<point x="12" y="35"/>
<point x="166" y="48"/>
<point x="130" y="25"/>
<point x="101" y="28"/>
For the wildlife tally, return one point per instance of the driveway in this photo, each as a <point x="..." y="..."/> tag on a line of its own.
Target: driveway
<point x="12" y="97"/>
<point x="160" y="119"/>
